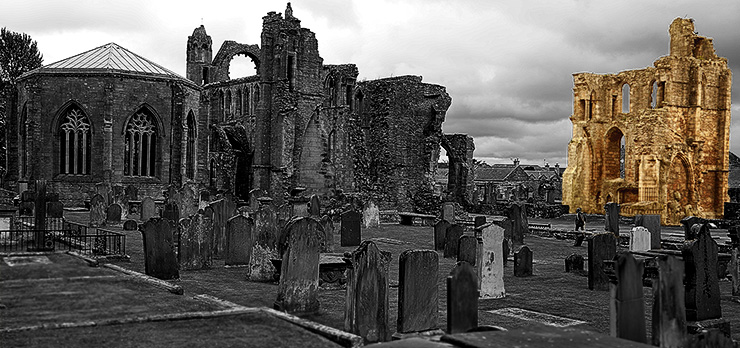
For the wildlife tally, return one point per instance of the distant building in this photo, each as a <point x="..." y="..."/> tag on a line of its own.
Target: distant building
<point x="734" y="179"/>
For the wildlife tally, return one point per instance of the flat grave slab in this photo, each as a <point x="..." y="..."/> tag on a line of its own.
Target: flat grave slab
<point x="539" y="317"/>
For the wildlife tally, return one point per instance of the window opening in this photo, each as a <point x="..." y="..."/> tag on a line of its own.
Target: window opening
<point x="626" y="98"/>
<point x="190" y="149"/>
<point x="140" y="146"/>
<point x="74" y="140"/>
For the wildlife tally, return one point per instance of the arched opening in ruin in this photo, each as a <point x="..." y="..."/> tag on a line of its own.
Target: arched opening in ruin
<point x="614" y="154"/>
<point x="241" y="65"/>
<point x="227" y="105"/>
<point x="591" y="104"/>
<point x="625" y="98"/>
<point x="311" y="160"/>
<point x="654" y="95"/>
<point x="678" y="199"/>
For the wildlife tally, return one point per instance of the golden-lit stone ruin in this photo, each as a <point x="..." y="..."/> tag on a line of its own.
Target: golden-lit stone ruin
<point x="654" y="140"/>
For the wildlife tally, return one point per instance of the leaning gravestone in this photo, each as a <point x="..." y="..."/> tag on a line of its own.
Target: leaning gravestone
<point x="601" y="246"/>
<point x="299" y="269"/>
<point x="371" y="216"/>
<point x="328" y="227"/>
<point x="148" y="208"/>
<point x="351" y="233"/>
<point x="523" y="262"/>
<point x="467" y="248"/>
<point x="113" y="213"/>
<point x="627" y="304"/>
<point x="702" y="283"/>
<point x="611" y="218"/>
<point x="517" y="213"/>
<point x="574" y="263"/>
<point x="159" y="255"/>
<point x="669" y="307"/>
<point x="640" y="239"/>
<point x="462" y="299"/>
<point x="440" y="233"/>
<point x="652" y="223"/>
<point x="195" y="243"/>
<point x="239" y="241"/>
<point x="366" y="309"/>
<point x="417" y="291"/>
<point x="491" y="269"/>
<point x="314" y="206"/>
<point x="97" y="211"/>
<point x="130" y="225"/>
<point x="452" y="237"/>
<point x="448" y="212"/>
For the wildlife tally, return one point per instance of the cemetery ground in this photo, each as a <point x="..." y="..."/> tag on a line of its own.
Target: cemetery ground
<point x="564" y="296"/>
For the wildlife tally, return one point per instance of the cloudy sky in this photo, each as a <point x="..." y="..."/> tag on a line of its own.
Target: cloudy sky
<point x="508" y="65"/>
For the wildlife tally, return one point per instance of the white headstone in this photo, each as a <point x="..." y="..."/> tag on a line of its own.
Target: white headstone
<point x="639" y="239"/>
<point x="448" y="212"/>
<point x="491" y="264"/>
<point x="371" y="216"/>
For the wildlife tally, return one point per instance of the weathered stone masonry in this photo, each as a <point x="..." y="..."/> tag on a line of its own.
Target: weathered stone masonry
<point x="673" y="119"/>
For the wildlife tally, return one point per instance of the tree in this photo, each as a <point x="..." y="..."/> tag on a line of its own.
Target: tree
<point x="18" y="54"/>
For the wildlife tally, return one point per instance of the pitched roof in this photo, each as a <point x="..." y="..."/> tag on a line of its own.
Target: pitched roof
<point x="109" y="58"/>
<point x="493" y="173"/>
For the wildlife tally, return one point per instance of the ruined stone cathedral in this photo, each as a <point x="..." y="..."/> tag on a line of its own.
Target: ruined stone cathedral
<point x="655" y="140"/>
<point x="109" y="115"/>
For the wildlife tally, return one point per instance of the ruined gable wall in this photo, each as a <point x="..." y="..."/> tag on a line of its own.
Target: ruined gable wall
<point x="676" y="133"/>
<point x="397" y="138"/>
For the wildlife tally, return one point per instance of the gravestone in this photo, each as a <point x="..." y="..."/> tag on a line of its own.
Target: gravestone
<point x="640" y="239"/>
<point x="328" y="227"/>
<point x="371" y="216"/>
<point x="351" y="233"/>
<point x="689" y="222"/>
<point x="479" y="221"/>
<point x="131" y="192"/>
<point x="254" y="194"/>
<point x="627" y="304"/>
<point x="462" y="299"/>
<point x="239" y="241"/>
<point x="366" y="308"/>
<point x="452" y="237"/>
<point x="130" y="225"/>
<point x="97" y="211"/>
<point x="299" y="269"/>
<point x="418" y="292"/>
<point x="601" y="246"/>
<point x="148" y="208"/>
<point x="702" y="283"/>
<point x="159" y="254"/>
<point x="448" y="212"/>
<point x="652" y="223"/>
<point x="267" y="234"/>
<point x="284" y="214"/>
<point x="314" y="206"/>
<point x="189" y="199"/>
<point x="579" y="239"/>
<point x="204" y="197"/>
<point x="55" y="209"/>
<point x="171" y="212"/>
<point x="491" y="270"/>
<point x="195" y="243"/>
<point x="440" y="233"/>
<point x="517" y="214"/>
<point x="466" y="251"/>
<point x="104" y="190"/>
<point x="299" y="206"/>
<point x="734" y="234"/>
<point x="574" y="263"/>
<point x="611" y="218"/>
<point x="523" y="262"/>
<point x="669" y="308"/>
<point x="113" y="213"/>
<point x="505" y="250"/>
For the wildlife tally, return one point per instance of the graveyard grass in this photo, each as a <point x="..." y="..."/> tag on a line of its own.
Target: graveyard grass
<point x="550" y="290"/>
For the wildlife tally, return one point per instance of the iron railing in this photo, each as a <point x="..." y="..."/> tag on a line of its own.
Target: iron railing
<point x="69" y="236"/>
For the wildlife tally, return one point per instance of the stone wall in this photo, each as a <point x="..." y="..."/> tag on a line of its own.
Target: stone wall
<point x="673" y="119"/>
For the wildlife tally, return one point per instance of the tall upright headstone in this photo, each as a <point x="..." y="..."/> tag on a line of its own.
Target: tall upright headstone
<point x="448" y="212"/>
<point x="462" y="298"/>
<point x="371" y="215"/>
<point x="491" y="269"/>
<point x="440" y="234"/>
<point x="523" y="262"/>
<point x="640" y="239"/>
<point x="299" y="270"/>
<point x="148" y="208"/>
<point x="265" y="247"/>
<point x="611" y="218"/>
<point x="113" y="213"/>
<point x="702" y="283"/>
<point x="239" y="241"/>
<point x="467" y="249"/>
<point x="517" y="214"/>
<point x="418" y="292"/>
<point x="159" y="254"/>
<point x="314" y="206"/>
<point x="351" y="228"/>
<point x="327" y="225"/>
<point x="601" y="246"/>
<point x="734" y="234"/>
<point x="366" y="312"/>
<point x="97" y="211"/>
<point x="669" y="308"/>
<point x="195" y="243"/>
<point x="627" y="304"/>
<point x="452" y="237"/>
<point x="652" y="223"/>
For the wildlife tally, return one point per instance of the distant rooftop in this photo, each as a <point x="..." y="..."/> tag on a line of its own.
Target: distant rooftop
<point x="109" y="58"/>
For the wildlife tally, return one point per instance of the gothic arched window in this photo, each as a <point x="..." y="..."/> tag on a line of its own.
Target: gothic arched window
<point x="190" y="149"/>
<point x="74" y="142"/>
<point x="141" y="144"/>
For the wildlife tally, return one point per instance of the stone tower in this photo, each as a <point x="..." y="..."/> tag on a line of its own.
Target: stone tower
<point x="655" y="140"/>
<point x="199" y="56"/>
